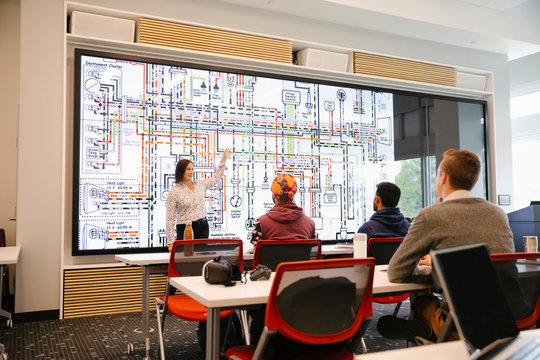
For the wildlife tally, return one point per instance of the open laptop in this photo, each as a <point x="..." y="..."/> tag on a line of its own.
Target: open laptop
<point x="479" y="307"/>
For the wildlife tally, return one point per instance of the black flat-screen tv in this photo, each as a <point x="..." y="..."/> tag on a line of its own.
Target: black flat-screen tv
<point x="135" y="118"/>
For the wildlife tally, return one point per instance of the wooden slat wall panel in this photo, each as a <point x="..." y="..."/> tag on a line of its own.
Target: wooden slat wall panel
<point x="377" y="65"/>
<point x="102" y="291"/>
<point x="163" y="33"/>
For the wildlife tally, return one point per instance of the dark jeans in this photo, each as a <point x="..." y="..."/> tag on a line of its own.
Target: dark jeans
<point x="199" y="227"/>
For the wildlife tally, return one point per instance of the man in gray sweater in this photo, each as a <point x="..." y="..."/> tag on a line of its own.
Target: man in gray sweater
<point x="457" y="219"/>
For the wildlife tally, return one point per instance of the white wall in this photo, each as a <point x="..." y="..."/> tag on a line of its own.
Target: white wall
<point x="525" y="75"/>
<point x="9" y="93"/>
<point x="39" y="192"/>
<point x="525" y="79"/>
<point x="41" y="179"/>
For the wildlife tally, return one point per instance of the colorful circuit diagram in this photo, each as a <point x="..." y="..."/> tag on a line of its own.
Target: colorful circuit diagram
<point x="138" y="118"/>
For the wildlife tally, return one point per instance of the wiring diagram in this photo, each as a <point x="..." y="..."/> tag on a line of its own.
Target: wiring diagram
<point x="137" y="119"/>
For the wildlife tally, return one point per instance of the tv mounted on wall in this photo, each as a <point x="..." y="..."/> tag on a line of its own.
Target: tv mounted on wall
<point x="134" y="118"/>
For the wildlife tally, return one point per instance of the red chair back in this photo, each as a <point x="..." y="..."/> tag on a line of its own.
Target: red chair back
<point x="524" y="297"/>
<point x="322" y="301"/>
<point x="273" y="252"/>
<point x="2" y="238"/>
<point x="181" y="263"/>
<point x="382" y="249"/>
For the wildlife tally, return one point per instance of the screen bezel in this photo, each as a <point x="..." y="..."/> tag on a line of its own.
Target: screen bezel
<point x="79" y="52"/>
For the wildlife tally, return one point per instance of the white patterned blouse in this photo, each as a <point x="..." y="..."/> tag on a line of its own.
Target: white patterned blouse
<point x="184" y="205"/>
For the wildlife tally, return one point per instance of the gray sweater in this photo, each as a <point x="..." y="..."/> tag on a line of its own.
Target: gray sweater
<point x="449" y="224"/>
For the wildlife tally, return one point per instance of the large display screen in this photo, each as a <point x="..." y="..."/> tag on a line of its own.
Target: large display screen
<point x="135" y="118"/>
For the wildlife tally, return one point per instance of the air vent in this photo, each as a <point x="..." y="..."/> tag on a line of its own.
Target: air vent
<point x="102" y="291"/>
<point x="376" y="65"/>
<point x="163" y="33"/>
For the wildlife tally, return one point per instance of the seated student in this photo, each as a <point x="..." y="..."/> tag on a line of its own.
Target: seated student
<point x="458" y="219"/>
<point x="284" y="221"/>
<point x="387" y="221"/>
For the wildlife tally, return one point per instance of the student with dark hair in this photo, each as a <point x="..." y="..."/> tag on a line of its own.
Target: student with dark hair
<point x="185" y="202"/>
<point x="387" y="221"/>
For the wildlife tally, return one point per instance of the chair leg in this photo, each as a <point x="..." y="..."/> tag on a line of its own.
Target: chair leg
<point x="396" y="310"/>
<point x="364" y="347"/>
<point x="263" y="342"/>
<point x="447" y="328"/>
<point x="160" y="329"/>
<point x="163" y="313"/>
<point x="245" y="325"/>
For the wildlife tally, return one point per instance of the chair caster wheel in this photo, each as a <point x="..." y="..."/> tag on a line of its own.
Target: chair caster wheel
<point x="130" y="348"/>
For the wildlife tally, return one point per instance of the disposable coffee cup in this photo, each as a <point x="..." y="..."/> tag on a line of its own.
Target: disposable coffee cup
<point x="360" y="245"/>
<point x="530" y="244"/>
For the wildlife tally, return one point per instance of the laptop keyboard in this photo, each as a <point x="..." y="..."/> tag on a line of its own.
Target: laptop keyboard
<point x="529" y="350"/>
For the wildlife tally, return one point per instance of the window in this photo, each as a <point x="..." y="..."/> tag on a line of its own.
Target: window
<point x="425" y="128"/>
<point x="525" y="114"/>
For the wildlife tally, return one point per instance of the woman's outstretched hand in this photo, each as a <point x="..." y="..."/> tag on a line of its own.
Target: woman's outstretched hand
<point x="226" y="154"/>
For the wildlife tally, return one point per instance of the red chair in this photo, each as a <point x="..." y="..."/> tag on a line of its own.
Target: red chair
<point x="528" y="289"/>
<point x="382" y="250"/>
<point x="273" y="252"/>
<point x="317" y="302"/>
<point x="183" y="306"/>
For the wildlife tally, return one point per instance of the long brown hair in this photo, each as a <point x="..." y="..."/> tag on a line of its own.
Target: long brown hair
<point x="181" y="169"/>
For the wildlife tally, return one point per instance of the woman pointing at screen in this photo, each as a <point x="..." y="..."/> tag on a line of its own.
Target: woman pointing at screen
<point x="185" y="203"/>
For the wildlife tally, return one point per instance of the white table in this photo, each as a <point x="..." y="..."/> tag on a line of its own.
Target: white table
<point x="154" y="263"/>
<point x="8" y="255"/>
<point x="218" y="297"/>
<point x="384" y="287"/>
<point x="453" y="350"/>
<point x="518" y="343"/>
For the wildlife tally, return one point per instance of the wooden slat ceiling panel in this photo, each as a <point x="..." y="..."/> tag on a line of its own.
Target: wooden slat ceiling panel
<point x="377" y="65"/>
<point x="163" y="33"/>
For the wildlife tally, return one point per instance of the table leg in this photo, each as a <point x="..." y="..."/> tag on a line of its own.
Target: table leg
<point x="144" y="333"/>
<point x="3" y="313"/>
<point x="212" y="334"/>
<point x="145" y="292"/>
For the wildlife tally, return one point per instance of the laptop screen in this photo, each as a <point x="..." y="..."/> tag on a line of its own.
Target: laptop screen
<point x="476" y="299"/>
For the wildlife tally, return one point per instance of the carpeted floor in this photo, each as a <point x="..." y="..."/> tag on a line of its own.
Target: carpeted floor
<point x="108" y="336"/>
